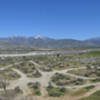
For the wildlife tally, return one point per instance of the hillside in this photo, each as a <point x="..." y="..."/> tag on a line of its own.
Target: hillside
<point x="44" y="42"/>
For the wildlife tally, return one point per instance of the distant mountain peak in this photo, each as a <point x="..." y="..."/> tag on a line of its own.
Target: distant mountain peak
<point x="38" y="37"/>
<point x="42" y="38"/>
<point x="45" y="42"/>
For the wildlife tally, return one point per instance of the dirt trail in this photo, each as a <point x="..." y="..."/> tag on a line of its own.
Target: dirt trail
<point x="45" y="79"/>
<point x="89" y="93"/>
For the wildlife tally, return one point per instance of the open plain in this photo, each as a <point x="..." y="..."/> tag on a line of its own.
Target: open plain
<point x="50" y="75"/>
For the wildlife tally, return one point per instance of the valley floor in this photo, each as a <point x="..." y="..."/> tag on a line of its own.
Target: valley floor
<point x="46" y="78"/>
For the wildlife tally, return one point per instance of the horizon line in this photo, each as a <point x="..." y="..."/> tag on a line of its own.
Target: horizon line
<point x="47" y="37"/>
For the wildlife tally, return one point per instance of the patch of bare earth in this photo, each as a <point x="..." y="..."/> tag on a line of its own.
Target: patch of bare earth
<point x="46" y="98"/>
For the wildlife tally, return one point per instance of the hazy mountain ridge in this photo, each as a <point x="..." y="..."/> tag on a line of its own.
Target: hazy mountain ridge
<point x="45" y="42"/>
<point x="94" y="41"/>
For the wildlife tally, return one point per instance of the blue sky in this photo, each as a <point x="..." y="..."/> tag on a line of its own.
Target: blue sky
<point x="77" y="19"/>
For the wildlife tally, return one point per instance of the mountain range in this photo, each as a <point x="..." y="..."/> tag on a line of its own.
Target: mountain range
<point x="45" y="42"/>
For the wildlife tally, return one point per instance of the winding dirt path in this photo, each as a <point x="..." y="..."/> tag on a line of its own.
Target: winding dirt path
<point x="92" y="91"/>
<point x="45" y="79"/>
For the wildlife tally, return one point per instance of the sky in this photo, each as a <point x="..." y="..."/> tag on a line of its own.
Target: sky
<point x="76" y="19"/>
